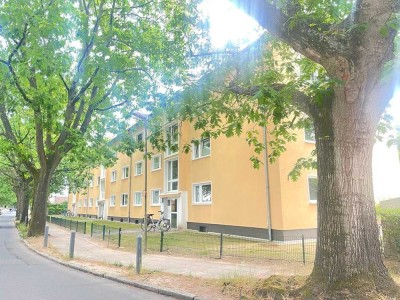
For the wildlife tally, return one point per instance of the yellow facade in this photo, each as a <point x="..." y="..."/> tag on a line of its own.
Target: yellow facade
<point x="212" y="188"/>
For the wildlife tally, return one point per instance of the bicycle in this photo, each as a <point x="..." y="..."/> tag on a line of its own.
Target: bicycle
<point x="162" y="224"/>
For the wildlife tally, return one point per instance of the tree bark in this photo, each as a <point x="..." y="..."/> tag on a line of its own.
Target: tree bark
<point x="348" y="255"/>
<point x="39" y="209"/>
<point x="23" y="195"/>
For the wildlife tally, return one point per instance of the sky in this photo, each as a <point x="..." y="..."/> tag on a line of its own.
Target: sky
<point x="229" y="24"/>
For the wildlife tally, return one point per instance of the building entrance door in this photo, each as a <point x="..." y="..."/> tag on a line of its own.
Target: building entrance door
<point x="100" y="214"/>
<point x="170" y="207"/>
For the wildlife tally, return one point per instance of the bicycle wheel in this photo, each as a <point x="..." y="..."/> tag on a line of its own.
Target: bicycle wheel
<point x="147" y="226"/>
<point x="164" y="225"/>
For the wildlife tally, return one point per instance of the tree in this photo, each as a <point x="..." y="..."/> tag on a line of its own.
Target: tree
<point x="7" y="196"/>
<point x="334" y="62"/>
<point x="66" y="68"/>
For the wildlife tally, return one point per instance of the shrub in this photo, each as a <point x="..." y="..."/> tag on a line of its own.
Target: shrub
<point x="390" y="221"/>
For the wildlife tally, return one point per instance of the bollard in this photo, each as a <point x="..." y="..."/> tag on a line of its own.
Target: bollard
<point x="20" y="217"/>
<point x="303" y="246"/>
<point x="119" y="237"/>
<point x="46" y="236"/>
<point x="104" y="232"/>
<point x="139" y="254"/>
<point x="109" y="234"/>
<point x="77" y="226"/>
<point x="26" y="220"/>
<point x="72" y="244"/>
<point x="162" y="241"/>
<point x="84" y="229"/>
<point x="221" y="240"/>
<point x="91" y="230"/>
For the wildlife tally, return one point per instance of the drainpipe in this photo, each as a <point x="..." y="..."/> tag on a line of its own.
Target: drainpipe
<point x="267" y="190"/>
<point x="130" y="188"/>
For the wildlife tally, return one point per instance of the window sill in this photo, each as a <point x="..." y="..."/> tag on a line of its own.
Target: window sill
<point x="312" y="201"/>
<point x="201" y="203"/>
<point x="153" y="170"/>
<point x="200" y="157"/>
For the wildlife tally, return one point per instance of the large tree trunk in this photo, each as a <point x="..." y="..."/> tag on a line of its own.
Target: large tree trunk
<point x="348" y="253"/>
<point x="39" y="207"/>
<point x="23" y="195"/>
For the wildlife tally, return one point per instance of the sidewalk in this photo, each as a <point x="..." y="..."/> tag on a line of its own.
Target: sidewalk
<point x="91" y="250"/>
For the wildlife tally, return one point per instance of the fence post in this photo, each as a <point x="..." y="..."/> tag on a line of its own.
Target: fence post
<point x="303" y="246"/>
<point x="119" y="237"/>
<point x="162" y="241"/>
<point x="91" y="230"/>
<point x="46" y="236"/>
<point x="77" y="226"/>
<point x="72" y="244"/>
<point x="221" y="242"/>
<point x="138" y="254"/>
<point x="84" y="229"/>
<point x="104" y="232"/>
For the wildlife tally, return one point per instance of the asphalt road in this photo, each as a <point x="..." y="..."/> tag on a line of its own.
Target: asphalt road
<point x="25" y="275"/>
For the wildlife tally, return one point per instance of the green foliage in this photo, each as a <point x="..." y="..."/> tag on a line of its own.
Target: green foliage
<point x="56" y="209"/>
<point x="390" y="221"/>
<point x="7" y="195"/>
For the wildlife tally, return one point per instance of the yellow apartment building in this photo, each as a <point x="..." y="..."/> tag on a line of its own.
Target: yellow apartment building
<point x="213" y="188"/>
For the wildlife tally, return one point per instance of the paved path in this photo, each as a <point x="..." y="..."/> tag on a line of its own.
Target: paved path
<point x="92" y="250"/>
<point x="25" y="275"/>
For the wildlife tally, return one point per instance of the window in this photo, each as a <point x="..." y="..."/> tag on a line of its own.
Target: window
<point x="138" y="198"/>
<point x="97" y="202"/>
<point x="102" y="172"/>
<point x="172" y="139"/>
<point x="91" y="181"/>
<point x="91" y="202"/>
<point x="139" y="168"/>
<point x="172" y="175"/>
<point x="312" y="188"/>
<point x="201" y="148"/>
<point x="85" y="203"/>
<point x="114" y="176"/>
<point x="139" y="137"/>
<point x="156" y="163"/>
<point x="125" y="172"/>
<point x="124" y="199"/>
<point x="155" y="197"/>
<point x="202" y="193"/>
<point x="309" y="134"/>
<point x="98" y="180"/>
<point x="112" y="200"/>
<point x="80" y="203"/>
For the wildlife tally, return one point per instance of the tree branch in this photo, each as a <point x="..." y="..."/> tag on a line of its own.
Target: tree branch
<point x="302" y="37"/>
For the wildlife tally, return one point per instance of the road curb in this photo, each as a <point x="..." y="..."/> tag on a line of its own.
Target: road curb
<point x="162" y="291"/>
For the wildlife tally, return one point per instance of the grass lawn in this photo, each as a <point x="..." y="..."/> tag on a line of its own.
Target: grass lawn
<point x="189" y="242"/>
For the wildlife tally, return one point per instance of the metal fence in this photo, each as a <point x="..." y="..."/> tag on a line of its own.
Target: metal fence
<point x="189" y="242"/>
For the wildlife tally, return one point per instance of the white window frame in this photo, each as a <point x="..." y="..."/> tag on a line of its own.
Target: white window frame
<point x="124" y="195"/>
<point x="197" y="149"/>
<point x="85" y="202"/>
<point x="201" y="202"/>
<point x="90" y="202"/>
<point x="113" y="175"/>
<point x="135" y="197"/>
<point x="152" y="197"/>
<point x="310" y="176"/>
<point x="91" y="181"/>
<point x="159" y="162"/>
<point x="169" y="182"/>
<point x="136" y="169"/>
<point x="307" y="133"/>
<point x="79" y="203"/>
<point x="97" y="202"/>
<point x="112" y="200"/>
<point x="125" y="176"/>
<point x="168" y="131"/>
